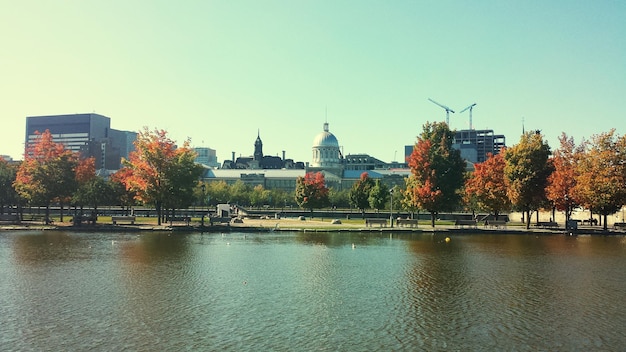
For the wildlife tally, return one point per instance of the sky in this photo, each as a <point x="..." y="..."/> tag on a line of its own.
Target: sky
<point x="221" y="72"/>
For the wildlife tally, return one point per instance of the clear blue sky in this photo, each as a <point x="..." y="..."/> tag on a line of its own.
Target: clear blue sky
<point x="219" y="71"/>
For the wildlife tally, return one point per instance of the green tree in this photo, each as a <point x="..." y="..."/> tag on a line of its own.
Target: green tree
<point x="360" y="192"/>
<point x="8" y="196"/>
<point x="217" y="192"/>
<point x="311" y="191"/>
<point x="95" y="192"/>
<point x="183" y="176"/>
<point x="437" y="171"/>
<point x="239" y="193"/>
<point x="339" y="198"/>
<point x="259" y="196"/>
<point x="379" y="196"/>
<point x="526" y="172"/>
<point x="280" y="198"/>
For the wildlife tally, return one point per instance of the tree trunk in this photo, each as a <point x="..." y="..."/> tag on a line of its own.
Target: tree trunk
<point x="537" y="216"/>
<point x="527" y="219"/>
<point x="432" y="218"/>
<point x="157" y="206"/>
<point x="61" y="211"/>
<point x="604" y="226"/>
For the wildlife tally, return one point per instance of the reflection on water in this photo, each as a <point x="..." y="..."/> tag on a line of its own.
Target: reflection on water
<point x="310" y="291"/>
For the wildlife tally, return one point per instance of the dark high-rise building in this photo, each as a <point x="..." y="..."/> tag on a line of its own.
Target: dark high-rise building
<point x="88" y="134"/>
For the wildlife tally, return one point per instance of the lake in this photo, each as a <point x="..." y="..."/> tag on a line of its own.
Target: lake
<point x="286" y="291"/>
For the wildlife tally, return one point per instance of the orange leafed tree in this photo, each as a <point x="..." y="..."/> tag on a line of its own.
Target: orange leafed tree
<point x="487" y="186"/>
<point x="49" y="172"/>
<point x="562" y="181"/>
<point x="126" y="196"/>
<point x="85" y="170"/>
<point x="601" y="180"/>
<point x="159" y="172"/>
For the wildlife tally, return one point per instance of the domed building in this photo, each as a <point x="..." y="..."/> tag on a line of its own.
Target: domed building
<point x="326" y="151"/>
<point x="340" y="172"/>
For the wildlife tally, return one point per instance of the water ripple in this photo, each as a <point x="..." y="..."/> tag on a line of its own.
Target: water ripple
<point x="280" y="292"/>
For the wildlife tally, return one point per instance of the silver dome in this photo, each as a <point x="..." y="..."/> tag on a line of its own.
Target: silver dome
<point x="325" y="139"/>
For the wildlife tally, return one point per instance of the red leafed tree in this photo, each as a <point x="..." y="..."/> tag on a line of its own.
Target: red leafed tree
<point x="160" y="173"/>
<point x="311" y="191"/>
<point x="486" y="187"/>
<point x="437" y="172"/>
<point x="421" y="190"/>
<point x="48" y="173"/>
<point x="562" y="181"/>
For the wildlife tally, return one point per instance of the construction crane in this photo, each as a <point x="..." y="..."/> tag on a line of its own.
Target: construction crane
<point x="448" y="111"/>
<point x="470" y="109"/>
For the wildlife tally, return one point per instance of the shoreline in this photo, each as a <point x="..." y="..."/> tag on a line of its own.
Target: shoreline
<point x="294" y="225"/>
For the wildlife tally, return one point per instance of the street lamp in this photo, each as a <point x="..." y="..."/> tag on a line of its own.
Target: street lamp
<point x="391" y="208"/>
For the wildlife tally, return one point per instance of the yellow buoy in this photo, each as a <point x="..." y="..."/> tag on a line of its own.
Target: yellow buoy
<point x="447" y="239"/>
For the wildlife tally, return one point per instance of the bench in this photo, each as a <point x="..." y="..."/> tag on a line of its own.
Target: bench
<point x="619" y="225"/>
<point x="38" y="218"/>
<point x="496" y="223"/>
<point x="546" y="224"/>
<point x="11" y="218"/>
<point x="591" y="221"/>
<point x="407" y="222"/>
<point x="463" y="223"/>
<point x="380" y="222"/>
<point x="185" y="219"/>
<point x="116" y="219"/>
<point x="79" y="219"/>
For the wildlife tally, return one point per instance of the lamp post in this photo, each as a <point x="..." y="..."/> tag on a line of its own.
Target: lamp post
<point x="391" y="208"/>
<point x="203" y="198"/>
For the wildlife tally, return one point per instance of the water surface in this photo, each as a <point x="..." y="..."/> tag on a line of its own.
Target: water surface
<point x="310" y="291"/>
